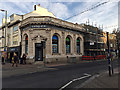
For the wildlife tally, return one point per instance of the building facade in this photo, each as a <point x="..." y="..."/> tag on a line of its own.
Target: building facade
<point x="12" y="37"/>
<point x="42" y="36"/>
<point x="112" y="42"/>
<point x="93" y="42"/>
<point x="63" y="39"/>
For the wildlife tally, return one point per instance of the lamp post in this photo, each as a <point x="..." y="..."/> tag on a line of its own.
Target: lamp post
<point x="5" y="31"/>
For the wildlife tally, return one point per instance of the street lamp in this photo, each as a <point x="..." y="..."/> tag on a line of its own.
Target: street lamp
<point x="5" y="31"/>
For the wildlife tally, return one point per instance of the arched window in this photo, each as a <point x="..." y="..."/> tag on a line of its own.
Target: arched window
<point x="26" y="44"/>
<point x="55" y="44"/>
<point x="68" y="44"/>
<point x="78" y="45"/>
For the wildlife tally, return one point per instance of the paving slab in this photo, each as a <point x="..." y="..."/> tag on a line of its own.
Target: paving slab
<point x="103" y="80"/>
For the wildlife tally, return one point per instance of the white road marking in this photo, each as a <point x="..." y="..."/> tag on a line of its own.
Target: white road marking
<point x="86" y="75"/>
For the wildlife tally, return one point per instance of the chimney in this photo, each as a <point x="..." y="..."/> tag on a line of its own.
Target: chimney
<point x="34" y="7"/>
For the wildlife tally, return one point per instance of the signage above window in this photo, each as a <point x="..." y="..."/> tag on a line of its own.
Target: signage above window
<point x="38" y="26"/>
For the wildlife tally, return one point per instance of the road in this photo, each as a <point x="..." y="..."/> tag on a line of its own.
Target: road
<point x="56" y="78"/>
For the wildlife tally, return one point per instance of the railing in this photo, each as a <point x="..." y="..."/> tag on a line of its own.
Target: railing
<point x="98" y="57"/>
<point x="87" y="58"/>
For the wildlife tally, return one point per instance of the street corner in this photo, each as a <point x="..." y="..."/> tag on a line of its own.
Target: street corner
<point x="102" y="80"/>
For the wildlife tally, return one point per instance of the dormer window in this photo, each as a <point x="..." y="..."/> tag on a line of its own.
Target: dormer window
<point x="11" y="18"/>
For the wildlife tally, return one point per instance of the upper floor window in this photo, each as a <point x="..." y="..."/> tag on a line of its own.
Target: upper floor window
<point x="11" y="18"/>
<point x="111" y="37"/>
<point x="15" y="28"/>
<point x="15" y="40"/>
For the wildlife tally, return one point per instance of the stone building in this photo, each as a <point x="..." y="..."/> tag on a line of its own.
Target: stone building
<point x="112" y="42"/>
<point x="42" y="36"/>
<point x="13" y="36"/>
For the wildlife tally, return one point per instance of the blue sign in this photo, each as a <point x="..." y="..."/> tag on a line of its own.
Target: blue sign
<point x="4" y="49"/>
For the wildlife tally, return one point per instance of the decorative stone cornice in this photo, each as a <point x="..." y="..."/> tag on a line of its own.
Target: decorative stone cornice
<point x="51" y="21"/>
<point x="37" y="36"/>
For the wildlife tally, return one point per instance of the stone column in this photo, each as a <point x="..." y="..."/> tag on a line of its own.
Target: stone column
<point x="23" y="46"/>
<point x="30" y="47"/>
<point x="82" y="46"/>
<point x="74" y="44"/>
<point x="63" y="43"/>
<point x="49" y="42"/>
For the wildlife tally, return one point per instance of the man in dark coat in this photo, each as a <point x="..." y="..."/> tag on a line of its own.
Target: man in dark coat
<point x="15" y="60"/>
<point x="24" y="59"/>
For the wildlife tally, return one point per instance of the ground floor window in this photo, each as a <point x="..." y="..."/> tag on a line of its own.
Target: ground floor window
<point x="26" y="44"/>
<point x="55" y="44"/>
<point x="78" y="45"/>
<point x="67" y="44"/>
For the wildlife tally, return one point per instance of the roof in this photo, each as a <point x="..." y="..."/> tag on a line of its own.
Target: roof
<point x="40" y="11"/>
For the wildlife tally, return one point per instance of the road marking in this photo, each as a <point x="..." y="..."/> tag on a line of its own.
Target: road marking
<point x="86" y="75"/>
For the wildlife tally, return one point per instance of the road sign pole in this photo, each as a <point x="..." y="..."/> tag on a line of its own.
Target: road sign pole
<point x="112" y="65"/>
<point x="109" y="63"/>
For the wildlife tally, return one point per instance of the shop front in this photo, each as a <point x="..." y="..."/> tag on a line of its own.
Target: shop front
<point x="11" y="51"/>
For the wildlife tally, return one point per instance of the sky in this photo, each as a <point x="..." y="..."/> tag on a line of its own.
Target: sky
<point x="105" y="14"/>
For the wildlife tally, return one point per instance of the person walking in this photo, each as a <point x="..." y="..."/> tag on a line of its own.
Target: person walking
<point x="24" y="59"/>
<point x="15" y="60"/>
<point x="94" y="56"/>
<point x="3" y="59"/>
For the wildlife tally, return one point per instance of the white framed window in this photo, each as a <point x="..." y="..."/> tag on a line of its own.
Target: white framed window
<point x="11" y="18"/>
<point x="15" y="28"/>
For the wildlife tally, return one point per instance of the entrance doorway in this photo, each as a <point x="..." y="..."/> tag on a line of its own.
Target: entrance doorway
<point x="38" y="52"/>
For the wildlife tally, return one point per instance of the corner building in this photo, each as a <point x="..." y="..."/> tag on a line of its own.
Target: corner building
<point x="63" y="39"/>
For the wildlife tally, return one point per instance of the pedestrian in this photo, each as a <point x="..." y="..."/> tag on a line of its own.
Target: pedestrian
<point x="94" y="56"/>
<point x="24" y="58"/>
<point x="3" y="59"/>
<point x="15" y="60"/>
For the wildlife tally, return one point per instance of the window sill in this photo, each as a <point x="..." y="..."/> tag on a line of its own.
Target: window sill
<point x="14" y="32"/>
<point x="69" y="54"/>
<point x="56" y="54"/>
<point x="79" y="53"/>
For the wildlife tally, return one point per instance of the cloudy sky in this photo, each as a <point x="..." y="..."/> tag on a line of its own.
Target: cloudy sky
<point x="97" y="11"/>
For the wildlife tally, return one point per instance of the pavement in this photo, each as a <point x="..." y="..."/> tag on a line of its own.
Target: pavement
<point x="8" y="70"/>
<point x="102" y="80"/>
